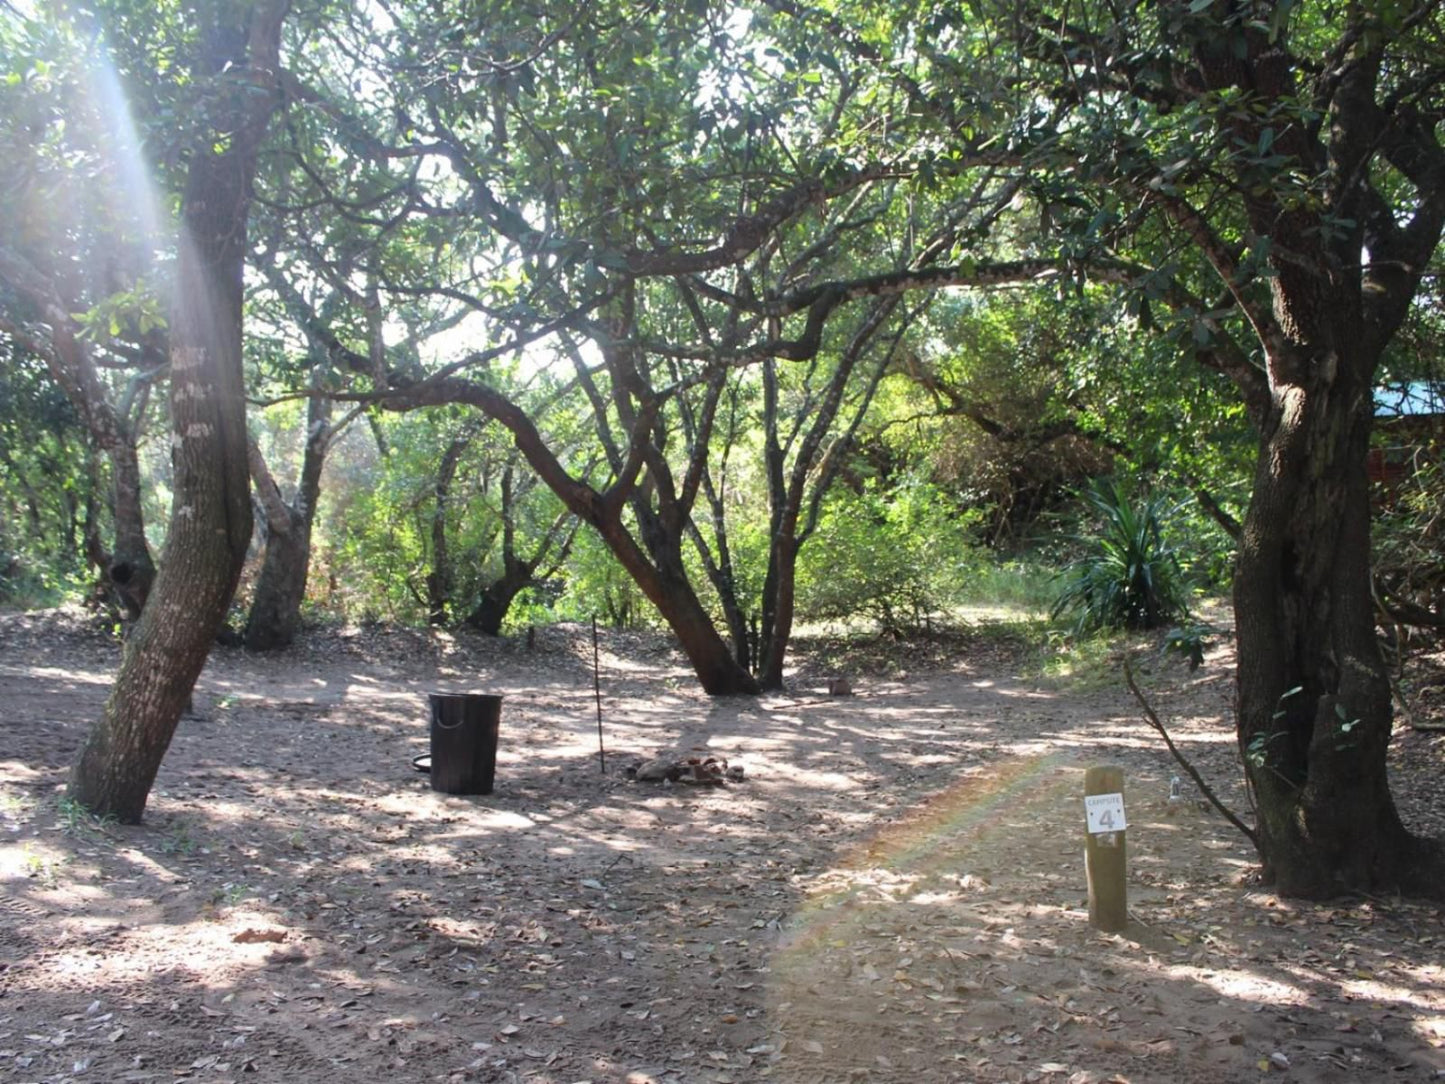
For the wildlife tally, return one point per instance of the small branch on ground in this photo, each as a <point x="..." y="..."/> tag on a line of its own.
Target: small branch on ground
<point x="1204" y="788"/>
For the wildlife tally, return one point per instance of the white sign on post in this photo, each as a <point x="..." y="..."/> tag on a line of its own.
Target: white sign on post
<point x="1105" y="813"/>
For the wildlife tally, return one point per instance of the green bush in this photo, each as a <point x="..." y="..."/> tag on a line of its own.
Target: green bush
<point x="596" y="585"/>
<point x="1129" y="576"/>
<point x="899" y="556"/>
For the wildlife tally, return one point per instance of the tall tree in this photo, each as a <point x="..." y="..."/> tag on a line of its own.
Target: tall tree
<point x="1296" y="148"/>
<point x="288" y="516"/>
<point x="275" y="611"/>
<point x="236" y="60"/>
<point x="610" y="172"/>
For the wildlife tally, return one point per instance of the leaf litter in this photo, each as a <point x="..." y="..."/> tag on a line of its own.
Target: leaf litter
<point x="895" y="893"/>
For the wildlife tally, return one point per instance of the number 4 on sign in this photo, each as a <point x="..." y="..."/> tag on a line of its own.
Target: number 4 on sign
<point x="1105" y="813"/>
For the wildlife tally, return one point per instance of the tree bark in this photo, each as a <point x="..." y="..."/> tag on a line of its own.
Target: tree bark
<point x="1314" y="710"/>
<point x="275" y="612"/>
<point x="489" y="613"/>
<point x="794" y="509"/>
<point x="129" y="566"/>
<point x="440" y="581"/>
<point x="211" y="512"/>
<point x="1314" y="713"/>
<point x="518" y="572"/>
<point x="665" y="583"/>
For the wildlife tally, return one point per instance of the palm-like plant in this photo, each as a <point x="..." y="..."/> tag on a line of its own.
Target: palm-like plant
<point x="1130" y="577"/>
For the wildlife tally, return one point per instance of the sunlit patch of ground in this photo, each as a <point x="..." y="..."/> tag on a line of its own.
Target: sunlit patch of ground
<point x="895" y="893"/>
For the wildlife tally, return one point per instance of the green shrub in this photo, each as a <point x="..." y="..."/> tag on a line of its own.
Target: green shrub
<point x="900" y="556"/>
<point x="1129" y="576"/>
<point x="596" y="585"/>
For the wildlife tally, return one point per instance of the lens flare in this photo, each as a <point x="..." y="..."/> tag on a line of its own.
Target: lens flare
<point x="132" y="188"/>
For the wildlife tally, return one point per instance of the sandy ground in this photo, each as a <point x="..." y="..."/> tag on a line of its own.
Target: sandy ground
<point x="895" y="892"/>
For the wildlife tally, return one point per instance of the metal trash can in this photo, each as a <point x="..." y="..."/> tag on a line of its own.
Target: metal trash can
<point x="464" y="730"/>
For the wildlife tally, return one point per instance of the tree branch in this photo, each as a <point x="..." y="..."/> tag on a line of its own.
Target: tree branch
<point x="1204" y="788"/>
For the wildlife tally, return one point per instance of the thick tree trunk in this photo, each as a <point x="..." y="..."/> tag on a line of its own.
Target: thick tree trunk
<point x="781" y="586"/>
<point x="1313" y="694"/>
<point x="275" y="612"/>
<point x="211" y="512"/>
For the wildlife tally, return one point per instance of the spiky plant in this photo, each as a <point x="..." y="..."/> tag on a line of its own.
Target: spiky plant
<point x="1130" y="575"/>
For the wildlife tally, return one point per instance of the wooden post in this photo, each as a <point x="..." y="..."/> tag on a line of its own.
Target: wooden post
<point x="1104" y="848"/>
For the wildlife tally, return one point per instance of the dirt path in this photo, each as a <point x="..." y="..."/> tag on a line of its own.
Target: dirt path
<point x="894" y="893"/>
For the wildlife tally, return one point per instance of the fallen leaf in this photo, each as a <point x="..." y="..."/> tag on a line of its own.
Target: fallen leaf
<point x="253" y="936"/>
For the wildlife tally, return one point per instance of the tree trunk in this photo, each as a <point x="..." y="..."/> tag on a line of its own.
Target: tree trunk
<point x="489" y="613"/>
<point x="724" y="581"/>
<point x="663" y="578"/>
<point x="129" y="567"/>
<point x="128" y="570"/>
<point x="275" y="612"/>
<point x="518" y="573"/>
<point x="1314" y="708"/>
<point x="664" y="581"/>
<point x="211" y="511"/>
<point x="788" y="490"/>
<point x="440" y="581"/>
<point x="778" y="625"/>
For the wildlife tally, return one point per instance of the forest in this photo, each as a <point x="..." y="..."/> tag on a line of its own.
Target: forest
<point x="775" y="338"/>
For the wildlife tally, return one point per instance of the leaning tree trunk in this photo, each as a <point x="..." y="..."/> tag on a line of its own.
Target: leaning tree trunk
<point x="665" y="583"/>
<point x="1313" y="693"/>
<point x="127" y="569"/>
<point x="663" y="578"/>
<point x="211" y="510"/>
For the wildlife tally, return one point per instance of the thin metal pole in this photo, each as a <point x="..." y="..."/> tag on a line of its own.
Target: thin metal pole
<point x="597" y="691"/>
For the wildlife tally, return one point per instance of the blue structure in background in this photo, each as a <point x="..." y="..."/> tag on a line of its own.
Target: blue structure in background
<point x="1417" y="399"/>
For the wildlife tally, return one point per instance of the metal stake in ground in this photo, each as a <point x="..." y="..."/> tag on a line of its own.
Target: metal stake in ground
<point x="597" y="691"/>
